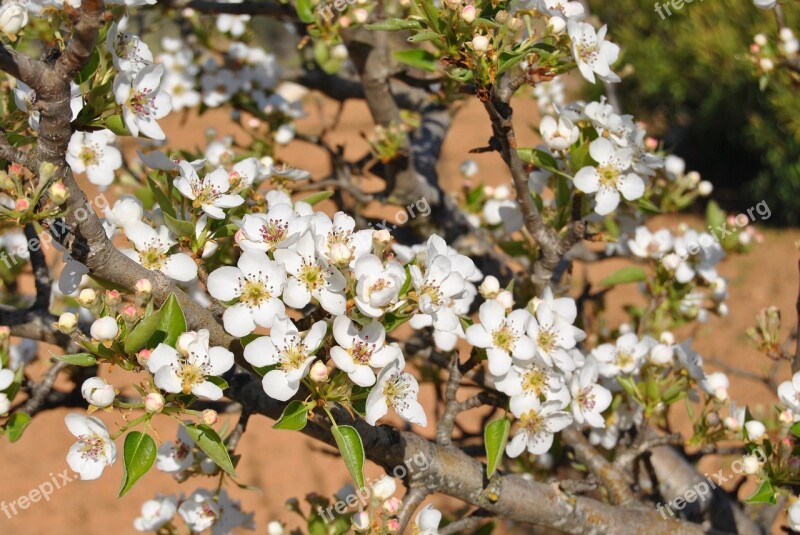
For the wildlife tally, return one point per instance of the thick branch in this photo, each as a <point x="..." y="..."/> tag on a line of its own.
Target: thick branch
<point x="84" y="37"/>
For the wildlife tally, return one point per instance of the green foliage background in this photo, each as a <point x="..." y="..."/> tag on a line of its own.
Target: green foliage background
<point x="690" y="79"/>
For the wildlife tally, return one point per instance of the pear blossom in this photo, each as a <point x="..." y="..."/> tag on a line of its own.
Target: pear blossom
<point x="176" y="373"/>
<point x="208" y="193"/>
<point x="361" y="349"/>
<point x="200" y="511"/>
<point x="176" y="457"/>
<point x="570" y="10"/>
<point x="281" y="226"/>
<point x="129" y="52"/>
<point x="397" y="389"/>
<point x="256" y="284"/>
<point x="593" y="54"/>
<point x="152" y="250"/>
<point x="503" y="338"/>
<point x="156" y="513"/>
<point x="789" y="393"/>
<point x="553" y="337"/>
<point x="181" y="90"/>
<point x="610" y="178"/>
<point x="142" y="100"/>
<point x="94" y="450"/>
<point x="97" y="392"/>
<point x="127" y="211"/>
<point x="648" y="244"/>
<point x="377" y="286"/>
<point x="338" y="241"/>
<point x="310" y="275"/>
<point x="558" y="135"/>
<point x="427" y="521"/>
<point x="439" y="284"/>
<point x="589" y="399"/>
<point x="793" y="516"/>
<point x="716" y="384"/>
<point x="93" y="153"/>
<point x="539" y="422"/>
<point x="292" y="351"/>
<point x="626" y="356"/>
<point x="534" y="379"/>
<point x="104" y="329"/>
<point x="6" y="378"/>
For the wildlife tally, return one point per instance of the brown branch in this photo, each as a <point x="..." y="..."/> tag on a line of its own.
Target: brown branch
<point x="411" y="501"/>
<point x="83" y="40"/>
<point x="41" y="273"/>
<point x="463" y="525"/>
<point x="10" y="153"/>
<point x="41" y="390"/>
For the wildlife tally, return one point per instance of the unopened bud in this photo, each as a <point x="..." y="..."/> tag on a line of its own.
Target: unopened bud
<point x="750" y="464"/>
<point x="210" y="248"/>
<point x="318" y="372"/>
<point x="393" y="525"/>
<point x="360" y="521"/>
<point x="490" y="287"/>
<point x="87" y="297"/>
<point x="23" y="204"/>
<point x="712" y="419"/>
<point x="58" y="193"/>
<point x="210" y="417"/>
<point x="143" y="356"/>
<point x="104" y="329"/>
<point x="384" y="488"/>
<point x="275" y="528"/>
<point x="113" y="298"/>
<point x="67" y="323"/>
<point x="97" y="392"/>
<point x="153" y="402"/>
<point x="506" y="299"/>
<point x="480" y="44"/>
<point x="143" y="288"/>
<point x="468" y="14"/>
<point x="341" y="254"/>
<point x="130" y="313"/>
<point x="392" y="505"/>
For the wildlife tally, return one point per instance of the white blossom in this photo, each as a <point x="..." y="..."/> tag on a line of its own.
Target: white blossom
<point x="94" y="449"/>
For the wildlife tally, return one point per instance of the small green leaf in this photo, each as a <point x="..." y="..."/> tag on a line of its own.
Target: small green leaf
<point x="78" y="359"/>
<point x="17" y="424"/>
<point x="495" y="437"/>
<point x="393" y="25"/>
<point x="795" y="429"/>
<point x="352" y="449"/>
<point x="417" y="57"/>
<point x="211" y="444"/>
<point x="178" y="226"/>
<point x="315" y="198"/>
<point x="427" y="35"/>
<point x="144" y="331"/>
<point x="117" y="125"/>
<point x="624" y="276"/>
<point x="647" y="206"/>
<point x="579" y="157"/>
<point x="393" y="320"/>
<point x="173" y="321"/>
<point x="164" y="326"/>
<point x="139" y="454"/>
<point x="219" y="381"/>
<point x="305" y="10"/>
<point x="294" y="417"/>
<point x="163" y="201"/>
<point x="763" y="494"/>
<point x="90" y="68"/>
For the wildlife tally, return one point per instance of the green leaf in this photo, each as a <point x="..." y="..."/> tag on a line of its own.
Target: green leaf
<point x="795" y="429"/>
<point x="579" y="157"/>
<point x="294" y="417"/>
<point x="417" y="57"/>
<point x="90" y="68"/>
<point x="163" y="201"/>
<point x="16" y="425"/>
<point x="495" y="437"/>
<point x="305" y="10"/>
<point x="211" y="444"/>
<point x="219" y="381"/>
<point x="537" y="157"/>
<point x="139" y="454"/>
<point x="352" y="450"/>
<point x="427" y="35"/>
<point x="117" y="125"/>
<point x="315" y="198"/>
<point x="624" y="276"/>
<point x="164" y="326"/>
<point x="393" y="25"/>
<point x="393" y="320"/>
<point x="763" y="494"/>
<point x="647" y="206"/>
<point x="78" y="359"/>
<point x="178" y="226"/>
<point x="509" y="59"/>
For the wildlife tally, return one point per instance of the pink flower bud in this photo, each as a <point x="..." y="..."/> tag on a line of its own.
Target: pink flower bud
<point x="392" y="505"/>
<point x="393" y="525"/>
<point x="318" y="372"/>
<point x="130" y="313"/>
<point x="113" y="298"/>
<point x="210" y="417"/>
<point x="143" y="288"/>
<point x="22" y="205"/>
<point x="468" y="14"/>
<point x="58" y="193"/>
<point x="153" y="402"/>
<point x="506" y="299"/>
<point x="237" y="238"/>
<point x="360" y="521"/>
<point x="480" y="44"/>
<point x="143" y="356"/>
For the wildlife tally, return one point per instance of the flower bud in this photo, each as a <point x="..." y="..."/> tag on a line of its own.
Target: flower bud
<point x="130" y="313"/>
<point x="786" y="417"/>
<point x="67" y="323"/>
<point x="766" y="64"/>
<point x="97" y="392"/>
<point x="13" y="17"/>
<point x="693" y="177"/>
<point x="87" y="297"/>
<point x="153" y="402"/>
<point x="360" y="521"/>
<point x="671" y="261"/>
<point x="755" y="430"/>
<point x="392" y="505"/>
<point x="22" y="204"/>
<point x="237" y="238"/>
<point x="488" y="191"/>
<point x="468" y="168"/>
<point x="210" y="417"/>
<point x="712" y="419"/>
<point x="210" y="248"/>
<point x="750" y="464"/>
<point x="480" y="44"/>
<point x="661" y="355"/>
<point x="468" y="14"/>
<point x="490" y="287"/>
<point x="381" y="237"/>
<point x="393" y="525"/>
<point x="104" y="329"/>
<point x="58" y="193"/>
<point x="704" y="188"/>
<point x="113" y="298"/>
<point x="667" y="338"/>
<point x="384" y="488"/>
<point x="341" y="254"/>
<point x="318" y="372"/>
<point x="556" y="25"/>
<point x="502" y="192"/>
<point x="143" y="288"/>
<point x="760" y="39"/>
<point x="143" y="356"/>
<point x="506" y="299"/>
<point x="275" y="528"/>
<point x="361" y="15"/>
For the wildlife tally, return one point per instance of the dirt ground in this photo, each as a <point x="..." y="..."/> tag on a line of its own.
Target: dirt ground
<point x="285" y="464"/>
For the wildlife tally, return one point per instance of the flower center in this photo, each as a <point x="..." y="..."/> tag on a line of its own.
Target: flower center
<point x="546" y="340"/>
<point x="274" y="231"/>
<point x="362" y="351"/>
<point x="190" y="375"/>
<point x="535" y="380"/>
<point x="608" y="175"/>
<point x="313" y="277"/>
<point x="141" y="101"/>
<point x="153" y="257"/>
<point x="396" y="391"/>
<point x="625" y="359"/>
<point x="587" y="52"/>
<point x="533" y="421"/>
<point x="204" y="194"/>
<point x="586" y="398"/>
<point x="92" y="447"/>
<point x="504" y="338"/>
<point x="88" y="156"/>
<point x="254" y="292"/>
<point x="431" y="291"/>
<point x="294" y="355"/>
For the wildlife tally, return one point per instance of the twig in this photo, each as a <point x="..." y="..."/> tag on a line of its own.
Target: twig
<point x="612" y="478"/>
<point x="41" y="273"/>
<point x="40" y="390"/>
<point x="411" y="501"/>
<point x="463" y="525"/>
